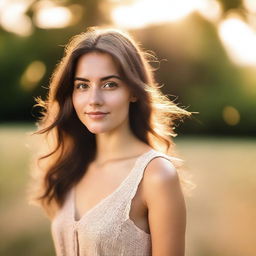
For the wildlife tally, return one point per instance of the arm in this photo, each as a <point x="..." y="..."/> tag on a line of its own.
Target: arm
<point x="166" y="208"/>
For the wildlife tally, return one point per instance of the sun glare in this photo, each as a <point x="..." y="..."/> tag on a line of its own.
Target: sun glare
<point x="53" y="17"/>
<point x="239" y="40"/>
<point x="209" y="9"/>
<point x="13" y="18"/>
<point x="145" y="12"/>
<point x="250" y="5"/>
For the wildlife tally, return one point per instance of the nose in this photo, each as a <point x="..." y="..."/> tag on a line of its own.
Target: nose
<point x="95" y="96"/>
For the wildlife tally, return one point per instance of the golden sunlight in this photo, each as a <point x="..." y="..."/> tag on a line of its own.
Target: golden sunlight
<point x="50" y="16"/>
<point x="239" y="40"/>
<point x="13" y="18"/>
<point x="210" y="10"/>
<point x="250" y="5"/>
<point x="145" y="12"/>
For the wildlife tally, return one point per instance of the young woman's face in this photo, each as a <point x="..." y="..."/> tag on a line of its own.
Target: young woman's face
<point x="99" y="88"/>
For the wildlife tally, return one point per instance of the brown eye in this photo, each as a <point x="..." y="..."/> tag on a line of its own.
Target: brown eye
<point x="81" y="86"/>
<point x="111" y="84"/>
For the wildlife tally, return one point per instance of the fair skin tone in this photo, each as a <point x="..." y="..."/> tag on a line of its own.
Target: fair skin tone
<point x="158" y="207"/>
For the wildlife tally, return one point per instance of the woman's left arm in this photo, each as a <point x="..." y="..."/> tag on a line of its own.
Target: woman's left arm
<point x="166" y="208"/>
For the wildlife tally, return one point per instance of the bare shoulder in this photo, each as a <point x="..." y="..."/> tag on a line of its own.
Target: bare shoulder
<point x="160" y="172"/>
<point x="164" y="199"/>
<point x="161" y="180"/>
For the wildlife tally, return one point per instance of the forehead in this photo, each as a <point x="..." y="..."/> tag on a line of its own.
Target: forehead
<point x="96" y="64"/>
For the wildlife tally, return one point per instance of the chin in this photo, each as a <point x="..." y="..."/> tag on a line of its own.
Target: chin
<point x="98" y="130"/>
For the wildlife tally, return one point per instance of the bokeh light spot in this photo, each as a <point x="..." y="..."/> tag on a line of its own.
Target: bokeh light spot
<point x="239" y="40"/>
<point x="13" y="18"/>
<point x="210" y="9"/>
<point x="53" y="17"/>
<point x="32" y="75"/>
<point x="250" y="5"/>
<point x="231" y="115"/>
<point x="141" y="13"/>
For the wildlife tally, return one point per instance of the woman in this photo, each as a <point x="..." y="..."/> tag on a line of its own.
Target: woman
<point x="107" y="182"/>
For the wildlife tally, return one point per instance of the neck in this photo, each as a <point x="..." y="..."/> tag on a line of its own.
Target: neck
<point x="118" y="144"/>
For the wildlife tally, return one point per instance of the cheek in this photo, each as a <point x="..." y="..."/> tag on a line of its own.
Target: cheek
<point x="78" y="101"/>
<point x="118" y="101"/>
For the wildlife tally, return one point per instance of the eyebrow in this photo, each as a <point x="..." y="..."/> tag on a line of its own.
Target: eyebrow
<point x="101" y="79"/>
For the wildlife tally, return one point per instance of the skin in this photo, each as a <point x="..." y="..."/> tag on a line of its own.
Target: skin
<point x="158" y="206"/>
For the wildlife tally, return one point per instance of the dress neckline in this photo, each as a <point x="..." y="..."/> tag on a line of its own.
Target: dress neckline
<point x="88" y="212"/>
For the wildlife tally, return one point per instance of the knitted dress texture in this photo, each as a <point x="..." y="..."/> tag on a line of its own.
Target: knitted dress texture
<point x="106" y="229"/>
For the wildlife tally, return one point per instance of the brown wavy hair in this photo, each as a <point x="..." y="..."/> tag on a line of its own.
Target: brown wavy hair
<point x="70" y="147"/>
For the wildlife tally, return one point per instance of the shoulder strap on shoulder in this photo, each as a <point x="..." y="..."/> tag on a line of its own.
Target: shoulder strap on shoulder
<point x="139" y="172"/>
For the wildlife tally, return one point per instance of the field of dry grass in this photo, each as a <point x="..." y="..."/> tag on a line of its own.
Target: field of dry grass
<point x="221" y="209"/>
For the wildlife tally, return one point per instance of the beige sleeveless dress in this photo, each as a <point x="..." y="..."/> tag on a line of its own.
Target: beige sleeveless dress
<point x="106" y="229"/>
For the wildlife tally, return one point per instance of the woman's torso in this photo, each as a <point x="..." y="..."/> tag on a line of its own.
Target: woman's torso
<point x="97" y="184"/>
<point x="114" y="220"/>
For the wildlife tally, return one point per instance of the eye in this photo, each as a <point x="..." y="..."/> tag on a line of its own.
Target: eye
<point x="111" y="84"/>
<point x="81" y="86"/>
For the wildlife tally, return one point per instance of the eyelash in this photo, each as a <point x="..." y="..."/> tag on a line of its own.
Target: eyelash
<point x="78" y="85"/>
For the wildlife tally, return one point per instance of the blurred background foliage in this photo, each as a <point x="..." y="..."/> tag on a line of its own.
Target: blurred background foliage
<point x="207" y="64"/>
<point x="199" y="66"/>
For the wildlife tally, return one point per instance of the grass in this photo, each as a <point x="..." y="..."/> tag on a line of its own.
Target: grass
<point x="221" y="209"/>
<point x="24" y="228"/>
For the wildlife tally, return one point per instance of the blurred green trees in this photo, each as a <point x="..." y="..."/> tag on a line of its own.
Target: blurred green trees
<point x="194" y="68"/>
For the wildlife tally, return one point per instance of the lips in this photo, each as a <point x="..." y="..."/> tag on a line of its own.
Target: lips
<point x="96" y="115"/>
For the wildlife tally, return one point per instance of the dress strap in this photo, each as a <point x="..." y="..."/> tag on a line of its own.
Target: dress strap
<point x="139" y="172"/>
